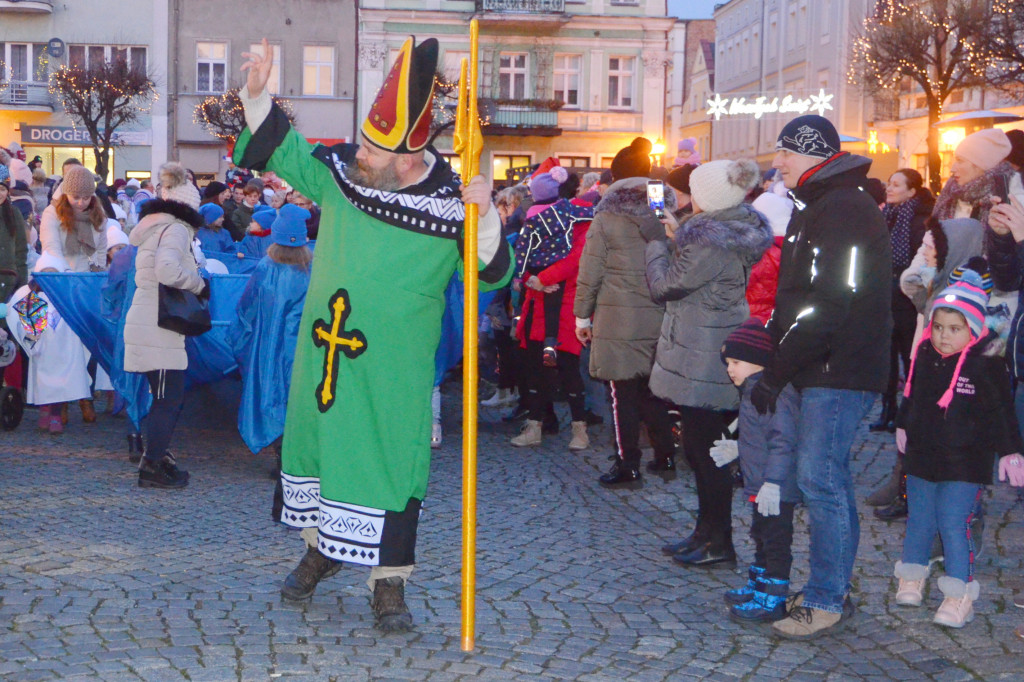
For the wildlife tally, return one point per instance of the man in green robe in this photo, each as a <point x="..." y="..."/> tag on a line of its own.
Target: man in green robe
<point x="356" y="452"/>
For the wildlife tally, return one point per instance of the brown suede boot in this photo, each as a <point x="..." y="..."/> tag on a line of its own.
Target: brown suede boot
<point x="88" y="411"/>
<point x="389" y="605"/>
<point x="314" y="567"/>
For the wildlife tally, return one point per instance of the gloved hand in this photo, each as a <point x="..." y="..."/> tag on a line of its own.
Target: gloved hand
<point x="652" y="230"/>
<point x="764" y="395"/>
<point x="768" y="499"/>
<point x="901" y="440"/>
<point x="1011" y="467"/>
<point x="724" y="451"/>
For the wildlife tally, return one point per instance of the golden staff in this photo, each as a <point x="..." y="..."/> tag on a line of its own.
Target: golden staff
<point x="468" y="143"/>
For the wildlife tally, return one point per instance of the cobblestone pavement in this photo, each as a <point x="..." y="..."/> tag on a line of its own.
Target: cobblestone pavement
<point x="102" y="580"/>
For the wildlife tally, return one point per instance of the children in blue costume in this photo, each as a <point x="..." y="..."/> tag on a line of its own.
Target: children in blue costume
<point x="256" y="241"/>
<point x="213" y="237"/>
<point x="265" y="334"/>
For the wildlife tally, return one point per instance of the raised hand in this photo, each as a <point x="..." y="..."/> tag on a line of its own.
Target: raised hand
<point x="258" y="66"/>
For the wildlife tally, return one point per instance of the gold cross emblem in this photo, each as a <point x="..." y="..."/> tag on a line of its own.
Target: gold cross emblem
<point x="333" y="338"/>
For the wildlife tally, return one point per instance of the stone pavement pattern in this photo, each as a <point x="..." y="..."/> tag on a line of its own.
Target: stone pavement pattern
<point x="102" y="580"/>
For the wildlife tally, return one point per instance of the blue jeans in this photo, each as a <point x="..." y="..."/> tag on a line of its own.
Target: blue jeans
<point x="946" y="507"/>
<point x="1018" y="405"/>
<point x="829" y="418"/>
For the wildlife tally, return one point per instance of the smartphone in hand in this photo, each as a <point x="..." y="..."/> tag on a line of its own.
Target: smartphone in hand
<point x="999" y="189"/>
<point x="656" y="197"/>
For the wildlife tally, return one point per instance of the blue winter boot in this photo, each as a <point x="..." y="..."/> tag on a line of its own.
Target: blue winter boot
<point x="768" y="604"/>
<point x="741" y="595"/>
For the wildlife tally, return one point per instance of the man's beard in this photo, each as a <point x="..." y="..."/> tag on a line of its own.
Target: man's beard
<point x="385" y="179"/>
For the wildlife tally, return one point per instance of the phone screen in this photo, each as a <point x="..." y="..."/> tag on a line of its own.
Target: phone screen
<point x="1000" y="189"/>
<point x="656" y="197"/>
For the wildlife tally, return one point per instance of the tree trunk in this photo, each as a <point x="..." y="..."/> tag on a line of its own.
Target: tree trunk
<point x="934" y="160"/>
<point x="102" y="160"/>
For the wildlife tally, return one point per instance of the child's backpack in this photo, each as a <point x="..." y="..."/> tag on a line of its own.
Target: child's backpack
<point x="546" y="238"/>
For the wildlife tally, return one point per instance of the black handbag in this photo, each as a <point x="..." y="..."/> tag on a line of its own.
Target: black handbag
<point x="182" y="311"/>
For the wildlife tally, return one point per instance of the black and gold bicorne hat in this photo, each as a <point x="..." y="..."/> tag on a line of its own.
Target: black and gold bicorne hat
<point x="400" y="117"/>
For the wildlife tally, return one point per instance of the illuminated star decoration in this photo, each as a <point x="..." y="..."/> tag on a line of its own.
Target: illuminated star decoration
<point x="716" y="107"/>
<point x="821" y="102"/>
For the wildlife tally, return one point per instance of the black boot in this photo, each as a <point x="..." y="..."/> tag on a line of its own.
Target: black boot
<point x="887" y="416"/>
<point x="712" y="553"/>
<point x="898" y="509"/>
<point x="313" y="568"/>
<point x="135" y="447"/>
<point x="163" y="473"/>
<point x="888" y="491"/>
<point x="389" y="605"/>
<point x="622" y="475"/>
<point x="665" y="467"/>
<point x="699" y="536"/>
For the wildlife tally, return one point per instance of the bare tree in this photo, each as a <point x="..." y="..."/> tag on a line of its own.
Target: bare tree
<point x="938" y="45"/>
<point x="102" y="97"/>
<point x="224" y="117"/>
<point x="1005" y="41"/>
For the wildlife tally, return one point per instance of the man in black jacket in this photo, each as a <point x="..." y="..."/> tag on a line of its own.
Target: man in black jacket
<point x="832" y="323"/>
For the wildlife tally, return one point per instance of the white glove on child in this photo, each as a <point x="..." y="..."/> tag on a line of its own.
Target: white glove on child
<point x="724" y="451"/>
<point x="901" y="440"/>
<point x="768" y="499"/>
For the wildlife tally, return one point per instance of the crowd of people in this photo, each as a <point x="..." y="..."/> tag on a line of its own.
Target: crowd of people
<point x="751" y="322"/>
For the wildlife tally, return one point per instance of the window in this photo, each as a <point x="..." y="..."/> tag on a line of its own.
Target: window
<point x="574" y="161"/>
<point x="567" y="79"/>
<point x="773" y="35"/>
<point x="318" y="70"/>
<point x="211" y="67"/>
<point x="956" y="97"/>
<point x="513" y="73"/>
<point x="504" y="162"/>
<point x="84" y="56"/>
<point x="620" y="82"/>
<point x="274" y="82"/>
<point x="25" y="62"/>
<point x="826" y="20"/>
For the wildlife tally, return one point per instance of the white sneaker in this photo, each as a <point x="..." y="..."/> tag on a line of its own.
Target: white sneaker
<point x="435" y="435"/>
<point x="957" y="609"/>
<point x="501" y="398"/>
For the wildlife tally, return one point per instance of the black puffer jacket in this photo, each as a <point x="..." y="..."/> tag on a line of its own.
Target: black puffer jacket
<point x="832" y="319"/>
<point x="960" y="443"/>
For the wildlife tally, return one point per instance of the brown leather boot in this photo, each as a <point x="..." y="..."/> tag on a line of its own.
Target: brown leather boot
<point x="88" y="410"/>
<point x="314" y="567"/>
<point x="389" y="605"/>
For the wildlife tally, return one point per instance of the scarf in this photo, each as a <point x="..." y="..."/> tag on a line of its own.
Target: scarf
<point x="977" y="193"/>
<point x="80" y="240"/>
<point x="899" y="217"/>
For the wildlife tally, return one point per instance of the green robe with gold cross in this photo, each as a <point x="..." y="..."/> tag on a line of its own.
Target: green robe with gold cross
<point x="356" y="452"/>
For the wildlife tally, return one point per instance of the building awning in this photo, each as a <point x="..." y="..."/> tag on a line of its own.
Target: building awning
<point x="980" y="118"/>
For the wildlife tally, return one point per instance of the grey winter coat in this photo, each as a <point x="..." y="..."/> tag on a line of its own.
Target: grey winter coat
<point x="768" y="442"/>
<point x="164" y="240"/>
<point x="612" y="285"/>
<point x="704" y="287"/>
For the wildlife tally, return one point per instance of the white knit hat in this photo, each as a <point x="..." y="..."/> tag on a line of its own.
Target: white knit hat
<point x="776" y="209"/>
<point x="175" y="185"/>
<point x="115" y="235"/>
<point x="717" y="185"/>
<point x="49" y="260"/>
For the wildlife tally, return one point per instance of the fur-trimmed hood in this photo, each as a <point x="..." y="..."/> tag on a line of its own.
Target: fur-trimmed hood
<point x="159" y="212"/>
<point x="740" y="229"/>
<point x="629" y="198"/>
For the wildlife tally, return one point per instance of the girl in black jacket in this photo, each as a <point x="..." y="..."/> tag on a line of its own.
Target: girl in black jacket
<point x="956" y="417"/>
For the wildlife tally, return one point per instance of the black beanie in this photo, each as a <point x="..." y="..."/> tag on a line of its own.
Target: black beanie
<point x="679" y="178"/>
<point x="809" y="135"/>
<point x="749" y="342"/>
<point x="633" y="161"/>
<point x="213" y="189"/>
<point x="1016" y="155"/>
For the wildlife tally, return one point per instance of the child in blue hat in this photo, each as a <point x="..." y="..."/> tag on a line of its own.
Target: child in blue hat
<point x="267" y="329"/>
<point x="257" y="237"/>
<point x="213" y="237"/>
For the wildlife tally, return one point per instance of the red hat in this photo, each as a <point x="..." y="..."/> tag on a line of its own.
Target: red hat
<point x="399" y="119"/>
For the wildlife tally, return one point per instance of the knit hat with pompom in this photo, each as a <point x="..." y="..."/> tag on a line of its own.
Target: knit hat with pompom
<point x="717" y="185"/>
<point x="175" y="185"/>
<point x="633" y="161"/>
<point x="544" y="187"/>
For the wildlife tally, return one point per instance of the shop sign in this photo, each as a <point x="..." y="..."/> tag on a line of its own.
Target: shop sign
<point x="761" y="105"/>
<point x="65" y="135"/>
<point x="55" y="48"/>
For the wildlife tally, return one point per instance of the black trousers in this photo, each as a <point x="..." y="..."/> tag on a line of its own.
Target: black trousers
<point x="701" y="428"/>
<point x="632" y="402"/>
<point x="508" y="359"/>
<point x="168" y="389"/>
<point x="773" y="541"/>
<point x="904" y="317"/>
<point x="541" y="382"/>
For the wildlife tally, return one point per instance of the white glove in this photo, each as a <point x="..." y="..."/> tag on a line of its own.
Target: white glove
<point x="901" y="440"/>
<point x="768" y="499"/>
<point x="1011" y="468"/>
<point x="724" y="451"/>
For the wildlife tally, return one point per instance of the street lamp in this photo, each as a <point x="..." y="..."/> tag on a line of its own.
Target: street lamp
<point x="657" y="149"/>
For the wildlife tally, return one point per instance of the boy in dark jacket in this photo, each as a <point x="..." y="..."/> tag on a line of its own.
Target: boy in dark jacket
<point x="767" y="452"/>
<point x="955" y="418"/>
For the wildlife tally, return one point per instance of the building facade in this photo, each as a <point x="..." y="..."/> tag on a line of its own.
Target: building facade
<point x="37" y="37"/>
<point x="777" y="59"/>
<point x="573" y="79"/>
<point x="314" y="43"/>
<point x="691" y="82"/>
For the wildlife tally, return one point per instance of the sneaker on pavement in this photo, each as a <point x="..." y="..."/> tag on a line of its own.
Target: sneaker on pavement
<point x="436" y="435"/>
<point x="804" y="622"/>
<point x="163" y="473"/>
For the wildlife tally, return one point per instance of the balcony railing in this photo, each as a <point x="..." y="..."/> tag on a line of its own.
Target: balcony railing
<point x="26" y="94"/>
<point x="522" y="6"/>
<point x="27" y="6"/>
<point x="525" y="117"/>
